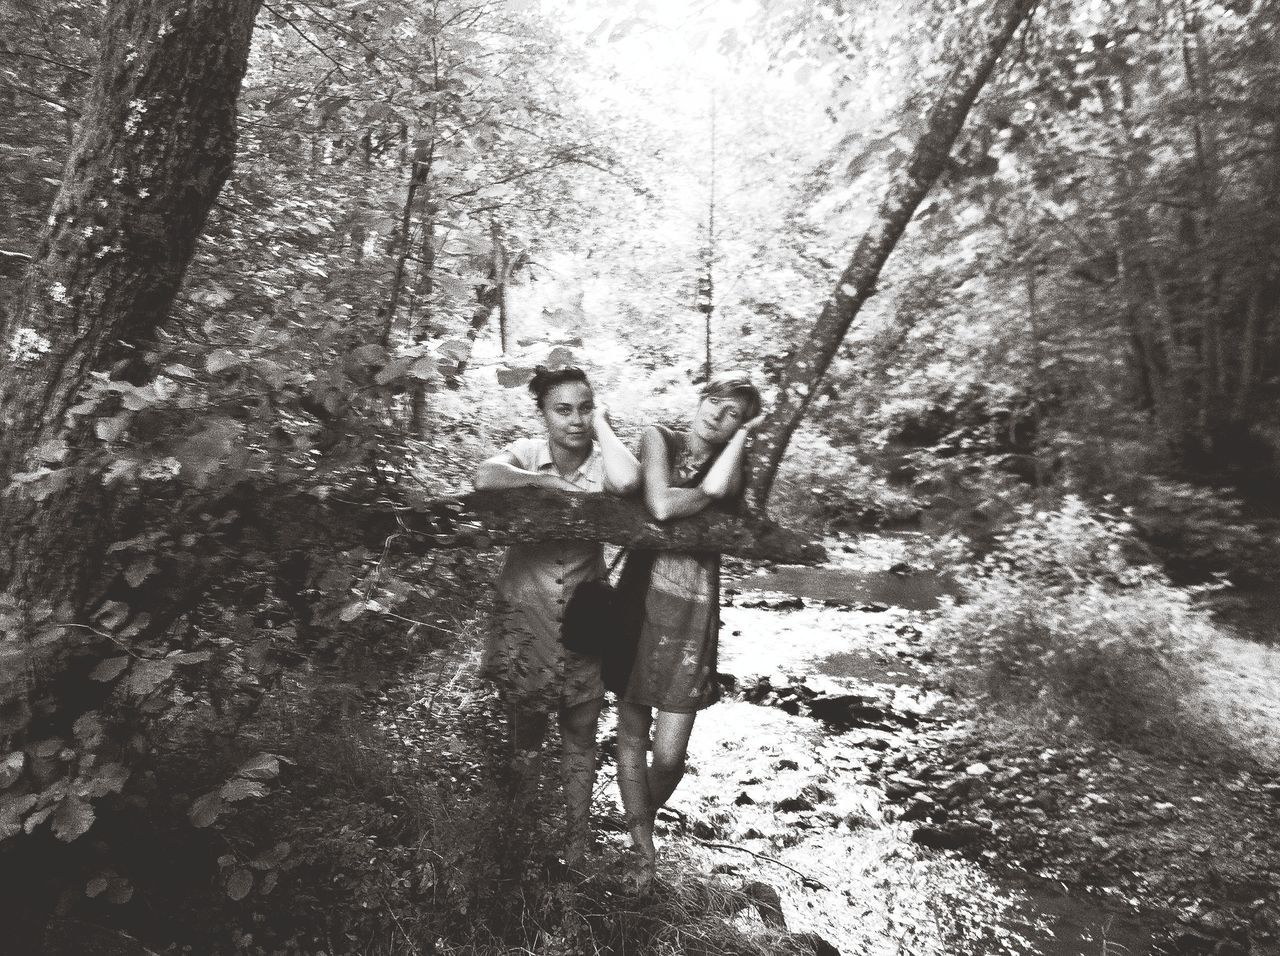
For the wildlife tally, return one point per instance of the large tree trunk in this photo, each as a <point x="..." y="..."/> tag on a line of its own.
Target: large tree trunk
<point x="154" y="148"/>
<point x="800" y="379"/>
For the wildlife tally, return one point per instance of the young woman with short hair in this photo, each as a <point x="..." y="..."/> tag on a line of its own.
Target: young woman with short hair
<point x="673" y="676"/>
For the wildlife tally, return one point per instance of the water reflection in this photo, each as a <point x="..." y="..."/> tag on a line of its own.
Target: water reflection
<point x="853" y="633"/>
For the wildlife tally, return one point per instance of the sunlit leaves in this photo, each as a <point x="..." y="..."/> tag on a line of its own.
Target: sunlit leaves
<point x="146" y="675"/>
<point x="246" y="784"/>
<point x="220" y="360"/>
<point x="239" y="883"/>
<point x="110" y="886"/>
<point x="13" y="806"/>
<point x="109" y="668"/>
<point x="11" y="768"/>
<point x="105" y="779"/>
<point x="201" y="455"/>
<point x="89" y="730"/>
<point x="262" y="767"/>
<point x="72" y="818"/>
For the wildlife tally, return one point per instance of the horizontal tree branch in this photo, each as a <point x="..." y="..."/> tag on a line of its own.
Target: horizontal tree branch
<point x="483" y="519"/>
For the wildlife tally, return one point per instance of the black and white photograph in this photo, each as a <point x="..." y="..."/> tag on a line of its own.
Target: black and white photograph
<point x="640" y="478"/>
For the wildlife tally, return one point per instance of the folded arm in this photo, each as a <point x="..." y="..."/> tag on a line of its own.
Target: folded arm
<point x="621" y="470"/>
<point x="664" y="501"/>
<point x="724" y="477"/>
<point x="504" y="471"/>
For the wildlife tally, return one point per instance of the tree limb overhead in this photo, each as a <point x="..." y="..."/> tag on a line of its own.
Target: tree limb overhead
<point x="510" y="515"/>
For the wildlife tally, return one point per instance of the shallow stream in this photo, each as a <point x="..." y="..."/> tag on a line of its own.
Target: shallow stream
<point x="777" y="797"/>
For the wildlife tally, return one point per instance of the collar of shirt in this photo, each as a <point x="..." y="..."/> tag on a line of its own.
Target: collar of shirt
<point x="544" y="462"/>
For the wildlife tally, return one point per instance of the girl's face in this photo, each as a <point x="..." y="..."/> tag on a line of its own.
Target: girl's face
<point x="719" y="416"/>
<point x="566" y="410"/>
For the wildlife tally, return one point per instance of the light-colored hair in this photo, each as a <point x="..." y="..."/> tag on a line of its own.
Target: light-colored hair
<point x="735" y="382"/>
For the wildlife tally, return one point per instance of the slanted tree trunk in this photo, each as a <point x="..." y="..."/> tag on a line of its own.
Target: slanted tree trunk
<point x="800" y="379"/>
<point x="152" y="152"/>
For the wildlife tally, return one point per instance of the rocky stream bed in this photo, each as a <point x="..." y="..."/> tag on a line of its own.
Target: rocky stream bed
<point x="891" y="819"/>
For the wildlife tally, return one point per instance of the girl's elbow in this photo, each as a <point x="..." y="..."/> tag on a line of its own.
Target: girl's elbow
<point x="622" y="489"/>
<point x="714" y="492"/>
<point x="659" y="510"/>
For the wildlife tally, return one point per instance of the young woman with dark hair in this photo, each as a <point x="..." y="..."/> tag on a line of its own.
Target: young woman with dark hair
<point x="673" y="676"/>
<point x="536" y="675"/>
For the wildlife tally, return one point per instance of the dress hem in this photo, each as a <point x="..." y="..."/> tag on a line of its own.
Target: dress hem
<point x="666" y="710"/>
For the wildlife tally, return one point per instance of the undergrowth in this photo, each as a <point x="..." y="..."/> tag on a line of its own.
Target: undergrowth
<point x="390" y="831"/>
<point x="408" y="844"/>
<point x="1063" y="614"/>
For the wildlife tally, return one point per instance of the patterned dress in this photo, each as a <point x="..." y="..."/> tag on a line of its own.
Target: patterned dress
<point x="675" y="663"/>
<point x="523" y="655"/>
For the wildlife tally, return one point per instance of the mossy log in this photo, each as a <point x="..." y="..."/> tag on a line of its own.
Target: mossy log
<point x="482" y="519"/>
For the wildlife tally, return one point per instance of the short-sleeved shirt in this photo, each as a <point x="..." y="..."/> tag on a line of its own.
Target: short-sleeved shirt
<point x="523" y="652"/>
<point x="547" y="565"/>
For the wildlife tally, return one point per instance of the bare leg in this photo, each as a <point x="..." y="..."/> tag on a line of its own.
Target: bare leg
<point x="578" y="772"/>
<point x="670" y="747"/>
<point x="633" y="776"/>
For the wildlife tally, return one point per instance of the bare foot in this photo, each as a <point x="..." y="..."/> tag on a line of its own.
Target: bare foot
<point x="642" y="842"/>
<point x="641" y="870"/>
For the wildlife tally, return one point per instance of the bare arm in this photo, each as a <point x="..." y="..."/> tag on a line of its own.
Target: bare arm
<point x="724" y="477"/>
<point x="621" y="470"/>
<point x="663" y="501"/>
<point x="502" y="471"/>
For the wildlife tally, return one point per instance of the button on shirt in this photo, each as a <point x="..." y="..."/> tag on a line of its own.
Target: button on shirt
<point x="523" y="653"/>
<point x="548" y="571"/>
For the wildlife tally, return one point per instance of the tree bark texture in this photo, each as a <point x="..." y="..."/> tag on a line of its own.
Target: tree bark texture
<point x="154" y="147"/>
<point x="152" y="152"/>
<point x="800" y="379"/>
<point x="534" y="514"/>
<point x="482" y="519"/>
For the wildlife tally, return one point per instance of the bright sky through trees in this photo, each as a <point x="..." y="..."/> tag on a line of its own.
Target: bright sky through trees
<point x="655" y="71"/>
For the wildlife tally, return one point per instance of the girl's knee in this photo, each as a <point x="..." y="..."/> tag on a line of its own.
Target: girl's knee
<point x="578" y="724"/>
<point x="634" y="722"/>
<point x="668" y="761"/>
<point x="632" y="744"/>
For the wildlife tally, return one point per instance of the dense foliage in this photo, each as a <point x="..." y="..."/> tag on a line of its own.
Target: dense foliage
<point x="429" y="197"/>
<point x="1088" y="299"/>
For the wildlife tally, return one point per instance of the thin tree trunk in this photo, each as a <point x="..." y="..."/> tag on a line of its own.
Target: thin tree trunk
<point x="403" y="247"/>
<point x="1153" y="351"/>
<point x="800" y="379"/>
<point x="1212" y="307"/>
<point x="1037" y="364"/>
<point x="1149" y="307"/>
<point x="1248" y="357"/>
<point x="708" y="305"/>
<point x="427" y="288"/>
<point x="501" y="268"/>
<point x="427" y="281"/>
